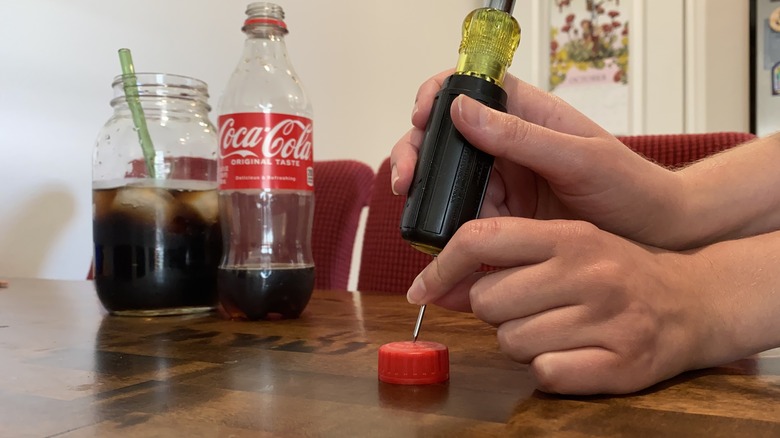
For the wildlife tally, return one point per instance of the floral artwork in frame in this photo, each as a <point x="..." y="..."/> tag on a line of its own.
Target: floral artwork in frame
<point x="589" y="55"/>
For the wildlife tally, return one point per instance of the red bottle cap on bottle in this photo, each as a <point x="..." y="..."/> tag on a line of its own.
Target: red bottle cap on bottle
<point x="414" y="363"/>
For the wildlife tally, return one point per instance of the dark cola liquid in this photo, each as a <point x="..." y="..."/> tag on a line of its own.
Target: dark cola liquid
<point x="156" y="250"/>
<point x="258" y="293"/>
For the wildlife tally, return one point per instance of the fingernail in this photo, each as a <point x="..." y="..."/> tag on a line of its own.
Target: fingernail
<point x="393" y="179"/>
<point x="474" y="115"/>
<point x="414" y="110"/>
<point x="416" y="291"/>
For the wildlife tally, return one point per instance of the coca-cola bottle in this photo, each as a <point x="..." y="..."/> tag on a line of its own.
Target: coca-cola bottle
<point x="266" y="181"/>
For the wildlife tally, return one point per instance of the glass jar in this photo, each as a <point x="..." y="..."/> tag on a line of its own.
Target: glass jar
<point x="156" y="233"/>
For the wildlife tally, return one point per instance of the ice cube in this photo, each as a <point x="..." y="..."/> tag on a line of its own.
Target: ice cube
<point x="151" y="204"/>
<point x="203" y="202"/>
<point x="101" y="202"/>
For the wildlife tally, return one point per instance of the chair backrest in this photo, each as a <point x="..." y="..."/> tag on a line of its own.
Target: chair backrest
<point x="341" y="190"/>
<point x="677" y="150"/>
<point x="389" y="264"/>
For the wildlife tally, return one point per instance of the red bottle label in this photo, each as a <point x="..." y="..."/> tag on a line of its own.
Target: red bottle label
<point x="265" y="151"/>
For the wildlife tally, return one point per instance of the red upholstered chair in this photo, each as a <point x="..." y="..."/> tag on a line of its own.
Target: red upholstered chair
<point x="342" y="188"/>
<point x="677" y="150"/>
<point x="389" y="264"/>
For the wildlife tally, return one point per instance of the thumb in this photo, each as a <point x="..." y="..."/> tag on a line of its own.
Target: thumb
<point x="550" y="153"/>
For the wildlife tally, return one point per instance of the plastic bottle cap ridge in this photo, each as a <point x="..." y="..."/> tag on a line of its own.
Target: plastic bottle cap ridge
<point x="414" y="363"/>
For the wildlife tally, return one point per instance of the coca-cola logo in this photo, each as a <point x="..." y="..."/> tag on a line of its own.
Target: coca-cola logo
<point x="287" y="138"/>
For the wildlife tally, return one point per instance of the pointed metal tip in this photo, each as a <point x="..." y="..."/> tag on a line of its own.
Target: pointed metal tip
<point x="418" y="324"/>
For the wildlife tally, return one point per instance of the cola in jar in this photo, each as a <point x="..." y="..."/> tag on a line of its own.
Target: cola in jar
<point x="266" y="180"/>
<point x="156" y="234"/>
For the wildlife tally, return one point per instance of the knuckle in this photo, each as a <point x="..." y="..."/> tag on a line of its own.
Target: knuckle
<point x="550" y="378"/>
<point x="606" y="275"/>
<point x="604" y="286"/>
<point x="486" y="302"/>
<point x="584" y="230"/>
<point x="435" y="275"/>
<point x="557" y="107"/>
<point x="476" y="298"/>
<point x="427" y="90"/>
<point x="479" y="231"/>
<point x="579" y="236"/>
<point x="481" y="306"/>
<point x="517" y="130"/>
<point x="509" y="345"/>
<point x="546" y="379"/>
<point x="638" y="341"/>
<point x="476" y="238"/>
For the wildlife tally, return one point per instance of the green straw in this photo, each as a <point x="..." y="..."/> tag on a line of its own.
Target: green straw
<point x="131" y="94"/>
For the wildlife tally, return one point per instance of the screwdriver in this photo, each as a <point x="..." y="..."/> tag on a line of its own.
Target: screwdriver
<point x="451" y="175"/>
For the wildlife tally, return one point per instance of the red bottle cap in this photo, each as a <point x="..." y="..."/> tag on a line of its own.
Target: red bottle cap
<point x="414" y="363"/>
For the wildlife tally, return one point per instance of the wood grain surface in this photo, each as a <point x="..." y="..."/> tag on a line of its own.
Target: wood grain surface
<point x="69" y="370"/>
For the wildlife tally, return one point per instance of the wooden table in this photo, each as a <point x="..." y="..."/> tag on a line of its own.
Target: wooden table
<point x="68" y="370"/>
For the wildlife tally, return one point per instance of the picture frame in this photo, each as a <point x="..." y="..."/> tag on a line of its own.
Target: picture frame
<point x="764" y="66"/>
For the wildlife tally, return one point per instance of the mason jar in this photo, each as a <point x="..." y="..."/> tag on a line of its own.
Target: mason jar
<point x="156" y="233"/>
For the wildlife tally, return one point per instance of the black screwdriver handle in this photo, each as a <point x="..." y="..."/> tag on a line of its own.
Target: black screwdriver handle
<point x="451" y="175"/>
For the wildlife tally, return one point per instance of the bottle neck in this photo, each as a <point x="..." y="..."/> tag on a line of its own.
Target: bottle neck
<point x="266" y="41"/>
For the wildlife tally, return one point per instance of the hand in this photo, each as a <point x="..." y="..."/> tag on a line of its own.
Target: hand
<point x="552" y="162"/>
<point x="589" y="311"/>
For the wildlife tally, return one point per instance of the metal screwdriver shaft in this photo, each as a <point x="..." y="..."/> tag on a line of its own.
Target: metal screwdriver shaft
<point x="418" y="323"/>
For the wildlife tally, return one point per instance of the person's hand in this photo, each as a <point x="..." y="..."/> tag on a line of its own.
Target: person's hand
<point x="553" y="162"/>
<point x="590" y="312"/>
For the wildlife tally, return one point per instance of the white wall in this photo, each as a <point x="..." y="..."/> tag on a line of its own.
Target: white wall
<point x="658" y="37"/>
<point x="718" y="69"/>
<point x="361" y="61"/>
